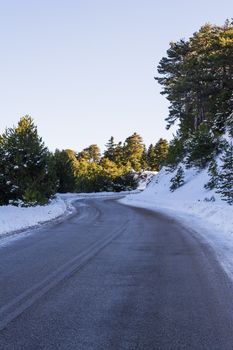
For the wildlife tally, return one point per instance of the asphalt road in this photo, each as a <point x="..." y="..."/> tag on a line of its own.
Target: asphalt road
<point x="113" y="277"/>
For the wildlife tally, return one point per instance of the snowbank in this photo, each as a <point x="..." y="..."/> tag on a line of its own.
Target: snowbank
<point x="191" y="205"/>
<point x="70" y="197"/>
<point x="14" y="218"/>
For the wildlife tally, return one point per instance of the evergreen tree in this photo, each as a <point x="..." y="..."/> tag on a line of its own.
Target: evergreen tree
<point x="225" y="183"/>
<point x="119" y="154"/>
<point x="133" y="151"/>
<point x="214" y="176"/>
<point x="177" y="180"/>
<point x="64" y="171"/>
<point x="201" y="147"/>
<point x="161" y="151"/>
<point x="110" y="149"/>
<point x="91" y="154"/>
<point x="151" y="158"/>
<point x="26" y="165"/>
<point x="88" y="177"/>
<point x="94" y="174"/>
<point x="176" y="152"/>
<point x="144" y="159"/>
<point x="94" y="153"/>
<point x="197" y="78"/>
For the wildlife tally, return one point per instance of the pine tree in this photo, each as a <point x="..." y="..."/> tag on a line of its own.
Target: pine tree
<point x="196" y="76"/>
<point x="88" y="176"/>
<point x="144" y="160"/>
<point x="201" y="147"/>
<point x="151" y="158"/>
<point x="112" y="169"/>
<point x="27" y="165"/>
<point x="110" y="151"/>
<point x="161" y="151"/>
<point x="214" y="176"/>
<point x="176" y="152"/>
<point x="225" y="184"/>
<point x="133" y="150"/>
<point x="157" y="154"/>
<point x="177" y="180"/>
<point x="64" y="171"/>
<point x="91" y="154"/>
<point x="119" y="154"/>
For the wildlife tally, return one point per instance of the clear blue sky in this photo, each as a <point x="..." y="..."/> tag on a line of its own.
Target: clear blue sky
<point x="83" y="69"/>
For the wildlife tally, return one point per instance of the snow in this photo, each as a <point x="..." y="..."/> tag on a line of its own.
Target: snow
<point x="145" y="178"/>
<point x="191" y="205"/>
<point x="14" y="218"/>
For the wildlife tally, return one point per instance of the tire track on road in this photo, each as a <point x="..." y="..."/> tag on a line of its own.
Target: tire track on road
<point x="18" y="305"/>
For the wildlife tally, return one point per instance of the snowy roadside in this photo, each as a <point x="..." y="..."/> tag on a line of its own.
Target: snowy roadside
<point x="70" y="197"/>
<point x="191" y="206"/>
<point x="13" y="219"/>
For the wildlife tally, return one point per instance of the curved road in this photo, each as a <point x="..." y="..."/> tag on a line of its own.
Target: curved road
<point x="112" y="277"/>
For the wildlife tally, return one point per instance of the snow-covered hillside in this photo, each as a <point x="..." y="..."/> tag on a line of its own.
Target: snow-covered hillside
<point x="190" y="198"/>
<point x="191" y="204"/>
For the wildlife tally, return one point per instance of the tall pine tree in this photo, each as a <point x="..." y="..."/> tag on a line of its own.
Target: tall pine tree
<point x="133" y="151"/>
<point x="27" y="167"/>
<point x="110" y="151"/>
<point x="65" y="171"/>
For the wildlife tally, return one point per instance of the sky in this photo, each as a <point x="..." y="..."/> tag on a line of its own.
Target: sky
<point x="84" y="69"/>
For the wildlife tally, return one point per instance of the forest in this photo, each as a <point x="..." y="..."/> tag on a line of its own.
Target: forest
<point x="31" y="174"/>
<point x="196" y="76"/>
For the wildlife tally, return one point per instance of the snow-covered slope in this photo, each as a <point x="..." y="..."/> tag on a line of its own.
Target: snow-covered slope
<point x="191" y="205"/>
<point x="190" y="198"/>
<point x="14" y="218"/>
<point x="145" y="178"/>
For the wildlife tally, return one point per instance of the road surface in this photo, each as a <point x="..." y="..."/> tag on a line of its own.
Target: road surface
<point x="112" y="277"/>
